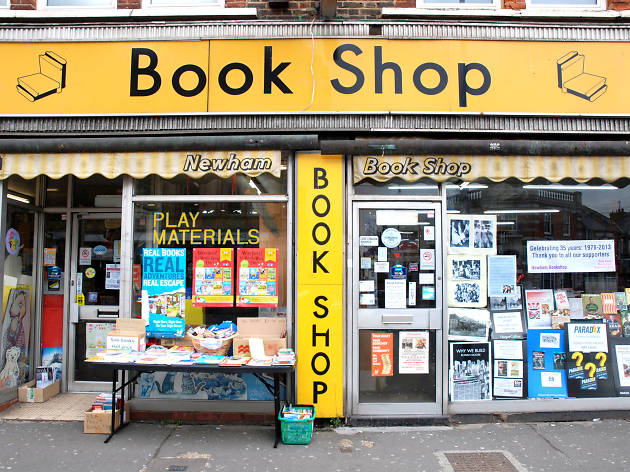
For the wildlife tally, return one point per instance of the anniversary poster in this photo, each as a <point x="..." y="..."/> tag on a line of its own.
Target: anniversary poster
<point x="213" y="277"/>
<point x="257" y="277"/>
<point x="164" y="292"/>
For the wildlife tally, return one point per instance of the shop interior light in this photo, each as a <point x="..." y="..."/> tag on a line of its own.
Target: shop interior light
<point x="466" y="186"/>
<point x="502" y="212"/>
<point x="570" y="187"/>
<point x="505" y="223"/>
<point x="413" y="187"/>
<point x="18" y="198"/>
<point x="453" y="211"/>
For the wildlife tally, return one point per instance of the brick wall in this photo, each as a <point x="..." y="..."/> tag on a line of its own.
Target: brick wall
<point x="619" y="4"/>
<point x="129" y="4"/>
<point x="23" y="4"/>
<point x="514" y="4"/>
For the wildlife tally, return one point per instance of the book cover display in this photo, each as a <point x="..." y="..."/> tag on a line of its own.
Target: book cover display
<point x="588" y="366"/>
<point x="546" y="359"/>
<point x="164" y="292"/>
<point x="257" y="277"/>
<point x="213" y="278"/>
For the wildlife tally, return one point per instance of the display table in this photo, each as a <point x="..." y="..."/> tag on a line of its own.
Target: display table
<point x="275" y="370"/>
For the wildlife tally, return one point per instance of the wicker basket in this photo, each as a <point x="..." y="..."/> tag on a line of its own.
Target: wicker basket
<point x="222" y="350"/>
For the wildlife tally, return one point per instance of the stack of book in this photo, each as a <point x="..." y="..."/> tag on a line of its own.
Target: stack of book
<point x="284" y="357"/>
<point x="103" y="401"/>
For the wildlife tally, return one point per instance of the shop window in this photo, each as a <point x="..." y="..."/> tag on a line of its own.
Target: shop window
<point x="56" y="192"/>
<point x="229" y="225"/>
<point x="98" y="192"/>
<point x="16" y="365"/>
<point x="397" y="187"/>
<point x="571" y="274"/>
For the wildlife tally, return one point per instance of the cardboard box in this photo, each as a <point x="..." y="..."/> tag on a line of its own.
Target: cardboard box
<point x="187" y="340"/>
<point x="100" y="421"/>
<point x="273" y="332"/>
<point x="29" y="393"/>
<point x="129" y="333"/>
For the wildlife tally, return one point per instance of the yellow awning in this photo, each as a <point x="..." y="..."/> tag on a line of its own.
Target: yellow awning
<point x="496" y="168"/>
<point x="141" y="164"/>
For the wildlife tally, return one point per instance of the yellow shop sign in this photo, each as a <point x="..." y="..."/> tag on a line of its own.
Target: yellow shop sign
<point x="324" y="75"/>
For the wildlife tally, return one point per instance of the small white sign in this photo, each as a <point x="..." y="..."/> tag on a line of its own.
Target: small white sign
<point x="551" y="379"/>
<point x="412" y="294"/>
<point x="427" y="259"/>
<point x="549" y="340"/>
<point x="366" y="285"/>
<point x="391" y="237"/>
<point x="85" y="256"/>
<point x="366" y="263"/>
<point x="368" y="240"/>
<point x="395" y="293"/>
<point x="382" y="253"/>
<point x="366" y="299"/>
<point x="381" y="267"/>
<point x="426" y="278"/>
<point x="429" y="233"/>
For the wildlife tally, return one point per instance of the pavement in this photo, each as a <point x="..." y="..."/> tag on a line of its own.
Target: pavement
<point x="51" y="446"/>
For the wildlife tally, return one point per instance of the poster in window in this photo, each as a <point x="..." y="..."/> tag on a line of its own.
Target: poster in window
<point x="413" y="352"/>
<point x="539" y="305"/>
<point x="382" y="354"/>
<point x="257" y="277"/>
<point x="213" y="279"/>
<point x="96" y="337"/>
<point x="588" y="366"/>
<point x="620" y="360"/>
<point x="164" y="291"/>
<point x="14" y="343"/>
<point x="472" y="234"/>
<point x="470" y="372"/>
<point x="501" y="275"/>
<point x="546" y="363"/>
<point x="467" y="284"/>
<point x="112" y="276"/>
<point x="468" y="324"/>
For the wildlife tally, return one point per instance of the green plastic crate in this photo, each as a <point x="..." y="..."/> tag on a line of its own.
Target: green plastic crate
<point x="297" y="431"/>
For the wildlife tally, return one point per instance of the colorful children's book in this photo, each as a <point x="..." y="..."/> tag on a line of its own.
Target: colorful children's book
<point x="609" y="303"/>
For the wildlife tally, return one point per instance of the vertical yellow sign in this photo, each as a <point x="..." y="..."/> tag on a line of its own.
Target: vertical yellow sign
<point x="320" y="283"/>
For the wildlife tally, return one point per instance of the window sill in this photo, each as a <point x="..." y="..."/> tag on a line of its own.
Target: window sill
<point x="157" y="12"/>
<point x="490" y="12"/>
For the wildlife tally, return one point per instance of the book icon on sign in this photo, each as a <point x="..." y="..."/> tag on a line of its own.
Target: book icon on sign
<point x="50" y="79"/>
<point x="572" y="78"/>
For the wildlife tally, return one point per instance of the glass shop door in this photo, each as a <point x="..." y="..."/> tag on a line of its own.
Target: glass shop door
<point x="397" y="309"/>
<point x="94" y="296"/>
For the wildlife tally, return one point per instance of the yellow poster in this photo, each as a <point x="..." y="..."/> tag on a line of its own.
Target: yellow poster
<point x="320" y="283"/>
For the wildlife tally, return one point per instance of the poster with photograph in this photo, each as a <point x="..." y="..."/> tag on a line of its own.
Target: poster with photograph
<point x="112" y="276"/>
<point x="466" y="281"/>
<point x="592" y="306"/>
<point x="413" y="352"/>
<point x="546" y="363"/>
<point x="257" y="277"/>
<point x="588" y="366"/>
<point x="472" y="234"/>
<point x="620" y="361"/>
<point x="509" y="373"/>
<point x="508" y="302"/>
<point x="468" y="324"/>
<point x="539" y="305"/>
<point x="382" y="354"/>
<point x="501" y="275"/>
<point x="14" y="343"/>
<point x="212" y="277"/>
<point x="507" y="325"/>
<point x="164" y="291"/>
<point x="470" y="372"/>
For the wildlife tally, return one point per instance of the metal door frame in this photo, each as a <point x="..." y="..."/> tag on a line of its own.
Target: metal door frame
<point x="73" y="307"/>
<point x="433" y="320"/>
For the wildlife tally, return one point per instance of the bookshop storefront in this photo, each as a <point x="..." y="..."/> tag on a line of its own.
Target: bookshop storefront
<point x="412" y="281"/>
<point x="485" y="284"/>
